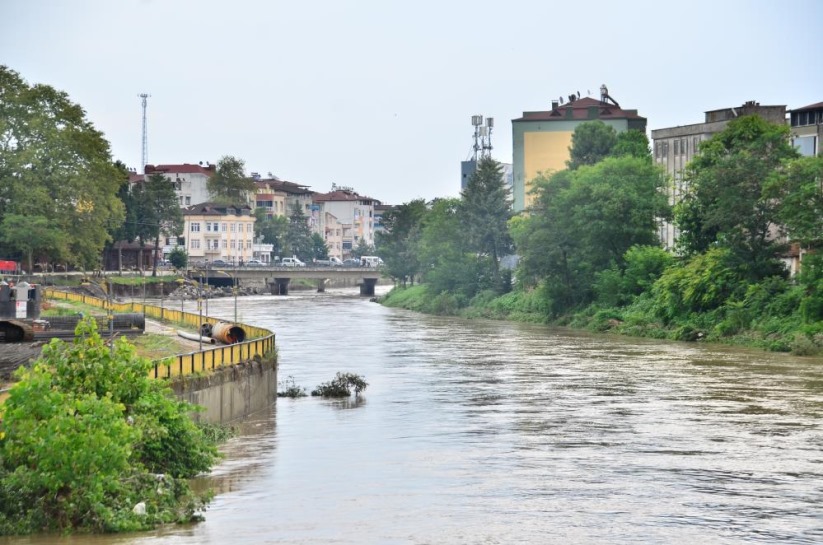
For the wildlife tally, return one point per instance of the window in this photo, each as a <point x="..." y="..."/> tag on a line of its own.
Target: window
<point x="225" y="244"/>
<point x="231" y="227"/>
<point x="223" y="226"/>
<point x="695" y="144"/>
<point x="188" y="200"/>
<point x="208" y="227"/>
<point x="195" y="227"/>
<point x="677" y="147"/>
<point x="248" y="227"/>
<point x="233" y="245"/>
<point x="195" y="244"/>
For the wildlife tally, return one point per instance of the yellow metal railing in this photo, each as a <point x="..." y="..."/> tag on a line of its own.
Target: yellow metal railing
<point x="261" y="340"/>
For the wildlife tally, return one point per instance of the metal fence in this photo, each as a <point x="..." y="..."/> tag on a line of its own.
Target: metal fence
<point x="261" y="340"/>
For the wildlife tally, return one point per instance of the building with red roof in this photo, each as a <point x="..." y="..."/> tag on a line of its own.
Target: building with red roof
<point x="541" y="139"/>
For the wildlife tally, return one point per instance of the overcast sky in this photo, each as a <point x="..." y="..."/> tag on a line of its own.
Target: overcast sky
<point x="378" y="94"/>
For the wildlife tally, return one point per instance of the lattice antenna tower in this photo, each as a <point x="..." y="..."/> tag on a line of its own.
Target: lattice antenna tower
<point x="144" y="158"/>
<point x="487" y="141"/>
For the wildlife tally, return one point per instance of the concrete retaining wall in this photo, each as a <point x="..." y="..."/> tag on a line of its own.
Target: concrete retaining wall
<point x="231" y="393"/>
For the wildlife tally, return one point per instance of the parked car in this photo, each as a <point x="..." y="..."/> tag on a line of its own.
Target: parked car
<point x="255" y="263"/>
<point x="292" y="262"/>
<point x="351" y="262"/>
<point x="218" y="263"/>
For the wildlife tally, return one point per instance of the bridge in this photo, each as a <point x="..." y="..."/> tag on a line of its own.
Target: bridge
<point x="277" y="278"/>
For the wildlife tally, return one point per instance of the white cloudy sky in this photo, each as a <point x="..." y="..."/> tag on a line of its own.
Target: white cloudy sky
<point x="378" y="94"/>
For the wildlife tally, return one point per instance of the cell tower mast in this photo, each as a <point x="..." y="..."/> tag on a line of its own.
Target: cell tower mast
<point x="144" y="158"/>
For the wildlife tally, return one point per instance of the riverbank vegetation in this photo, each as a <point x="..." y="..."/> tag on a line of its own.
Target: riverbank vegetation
<point x="89" y="443"/>
<point x="589" y="253"/>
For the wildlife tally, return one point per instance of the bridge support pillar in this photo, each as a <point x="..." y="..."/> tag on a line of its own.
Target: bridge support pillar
<point x="367" y="286"/>
<point x="321" y="285"/>
<point x="279" y="286"/>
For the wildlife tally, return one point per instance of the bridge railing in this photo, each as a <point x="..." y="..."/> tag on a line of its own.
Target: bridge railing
<point x="259" y="341"/>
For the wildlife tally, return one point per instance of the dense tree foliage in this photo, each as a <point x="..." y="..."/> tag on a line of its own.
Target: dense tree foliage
<point x="592" y="142"/>
<point x="727" y="203"/>
<point x="485" y="211"/>
<point x="159" y="211"/>
<point x="633" y="143"/>
<point x="229" y="183"/>
<point x="584" y="221"/>
<point x="273" y="230"/>
<point x="319" y="250"/>
<point x="399" y="240"/>
<point x="56" y="172"/>
<point x="85" y="434"/>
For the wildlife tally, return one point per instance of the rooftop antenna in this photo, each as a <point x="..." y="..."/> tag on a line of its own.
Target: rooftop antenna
<point x="144" y="158"/>
<point x="477" y="122"/>
<point x="487" y="133"/>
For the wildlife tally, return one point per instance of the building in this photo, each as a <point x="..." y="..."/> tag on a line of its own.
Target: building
<point x="541" y="139"/>
<point x="354" y="212"/>
<point x="674" y="147"/>
<point x="190" y="181"/>
<point x="467" y="168"/>
<point x="219" y="231"/>
<point x="270" y="199"/>
<point x="807" y="128"/>
<point x="332" y="232"/>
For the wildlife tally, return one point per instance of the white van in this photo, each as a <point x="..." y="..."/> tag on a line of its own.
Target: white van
<point x="370" y="261"/>
<point x="292" y="262"/>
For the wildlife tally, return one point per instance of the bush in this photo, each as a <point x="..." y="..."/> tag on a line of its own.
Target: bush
<point x="84" y="432"/>
<point x="291" y="389"/>
<point x="341" y="385"/>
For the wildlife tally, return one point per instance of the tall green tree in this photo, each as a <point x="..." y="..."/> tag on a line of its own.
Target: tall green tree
<point x="444" y="252"/>
<point x="229" y="183"/>
<point x="398" y="242"/>
<point x="298" y="236"/>
<point x="32" y="235"/>
<point x="592" y="142"/>
<point x="55" y="165"/>
<point x="727" y="203"/>
<point x="319" y="250"/>
<point x="584" y="222"/>
<point x="486" y="209"/>
<point x="162" y="214"/>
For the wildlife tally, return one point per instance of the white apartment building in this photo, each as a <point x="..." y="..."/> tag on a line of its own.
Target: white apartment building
<point x="218" y="231"/>
<point x="354" y="212"/>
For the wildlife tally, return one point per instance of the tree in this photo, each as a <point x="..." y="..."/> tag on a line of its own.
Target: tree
<point x="592" y="141"/>
<point x="727" y="203"/>
<point x="362" y="248"/>
<point x="445" y="257"/>
<point x="229" y="183"/>
<point x="274" y="230"/>
<point x="486" y="209"/>
<point x="56" y="165"/>
<point x="32" y="235"/>
<point x="399" y="240"/>
<point x="584" y="222"/>
<point x="298" y="236"/>
<point x="799" y="191"/>
<point x="319" y="250"/>
<point x="632" y="143"/>
<point x="178" y="257"/>
<point x="162" y="214"/>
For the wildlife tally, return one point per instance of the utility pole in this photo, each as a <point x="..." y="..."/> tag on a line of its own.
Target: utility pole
<point x="144" y="157"/>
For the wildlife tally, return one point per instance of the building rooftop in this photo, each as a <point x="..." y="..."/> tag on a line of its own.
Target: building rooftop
<point x="579" y="110"/>
<point x="216" y="209"/>
<point x="816" y="106"/>
<point x="185" y="168"/>
<point x="277" y="184"/>
<point x="339" y="195"/>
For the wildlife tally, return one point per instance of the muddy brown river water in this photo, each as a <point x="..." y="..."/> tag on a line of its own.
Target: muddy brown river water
<point x="480" y="432"/>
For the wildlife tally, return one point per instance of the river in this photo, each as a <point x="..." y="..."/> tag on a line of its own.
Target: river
<point x="482" y="432"/>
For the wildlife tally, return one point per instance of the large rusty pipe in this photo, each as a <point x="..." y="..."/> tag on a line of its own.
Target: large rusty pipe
<point x="228" y="333"/>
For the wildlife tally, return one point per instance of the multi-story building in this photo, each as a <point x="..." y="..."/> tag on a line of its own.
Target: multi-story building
<point x="270" y="199"/>
<point x="218" y="231"/>
<point x="541" y="139"/>
<point x="807" y="129"/>
<point x="354" y="212"/>
<point x="332" y="232"/>
<point x="189" y="181"/>
<point x="674" y="147"/>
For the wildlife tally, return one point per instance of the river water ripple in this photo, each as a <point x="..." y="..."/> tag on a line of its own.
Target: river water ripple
<point x="480" y="432"/>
